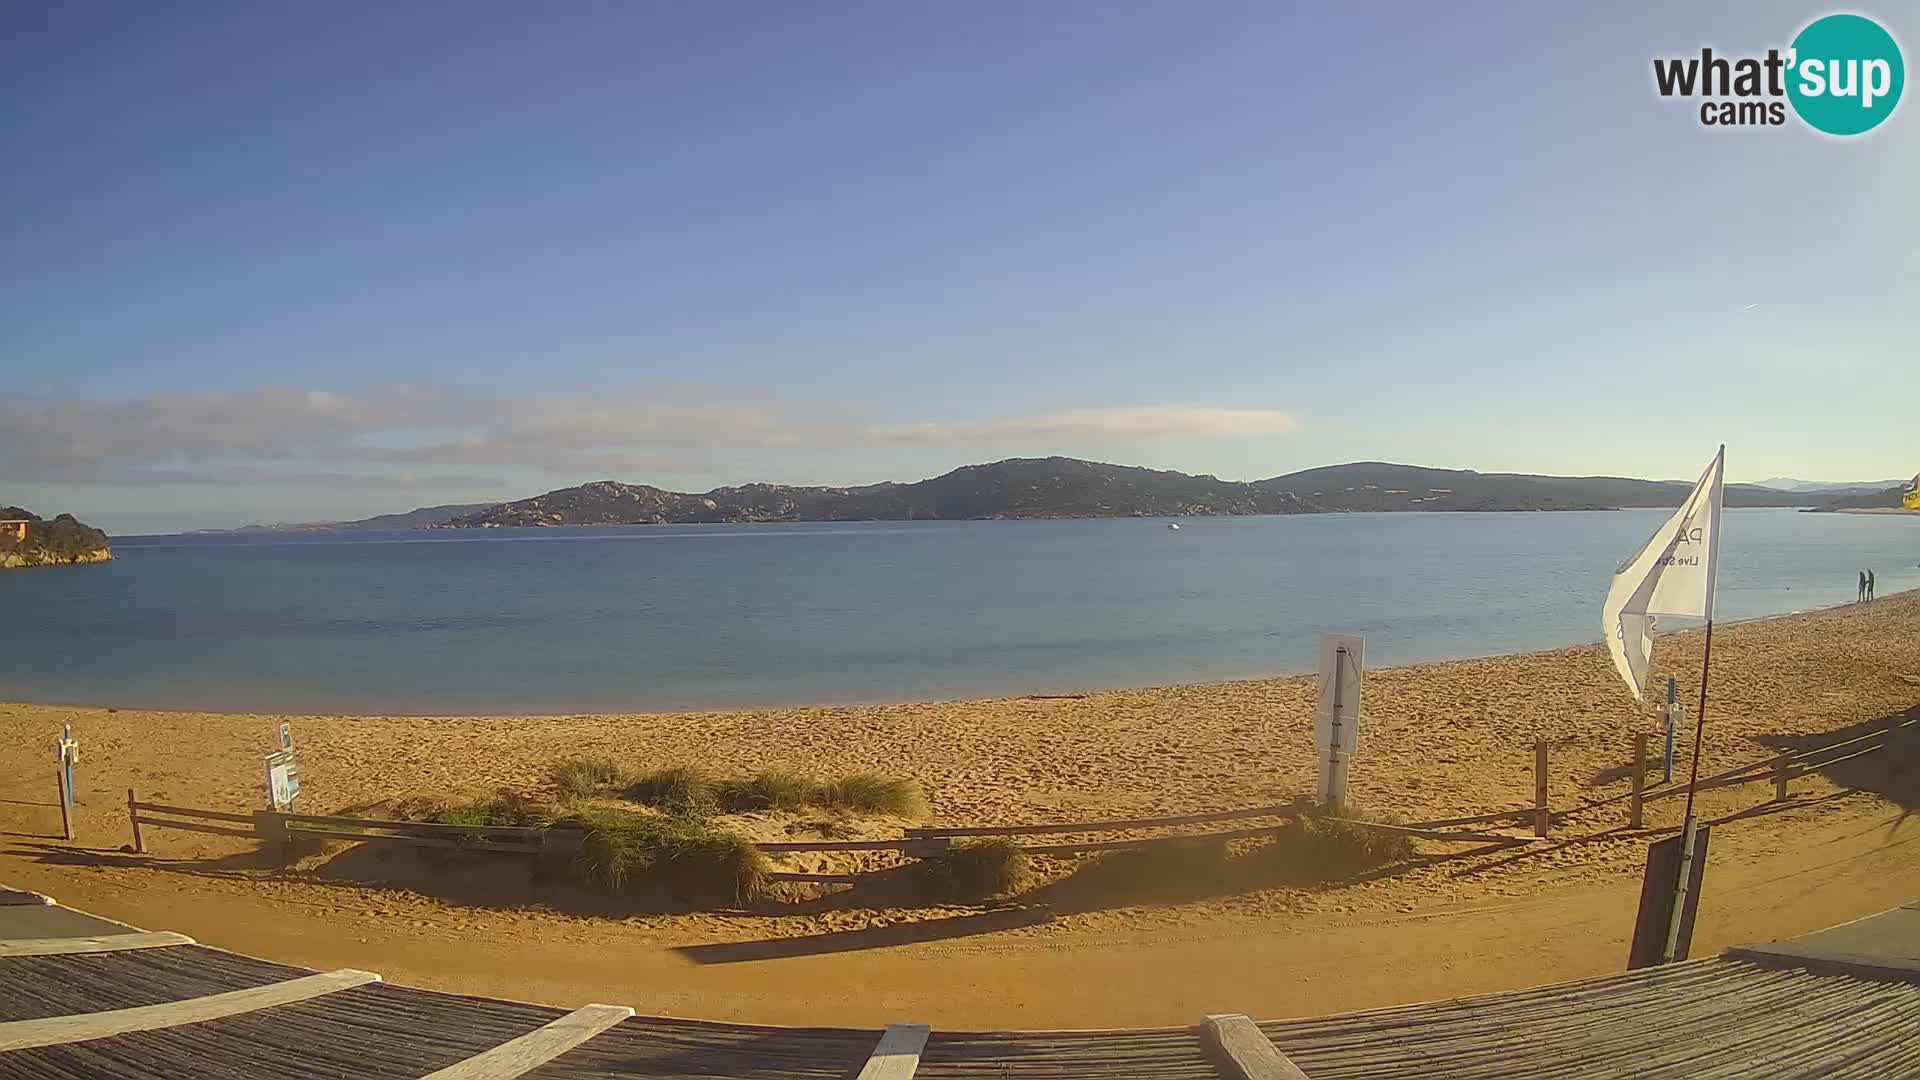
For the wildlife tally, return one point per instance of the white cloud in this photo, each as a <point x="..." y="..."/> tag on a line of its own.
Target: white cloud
<point x="384" y="436"/>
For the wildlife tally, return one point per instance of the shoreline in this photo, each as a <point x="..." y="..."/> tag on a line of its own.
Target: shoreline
<point x="933" y="700"/>
<point x="1439" y="741"/>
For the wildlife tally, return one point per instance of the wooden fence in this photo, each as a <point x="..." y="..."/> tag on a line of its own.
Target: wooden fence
<point x="286" y="829"/>
<point x="1781" y="769"/>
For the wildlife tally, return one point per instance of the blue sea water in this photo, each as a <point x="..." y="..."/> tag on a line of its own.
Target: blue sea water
<point x="658" y="617"/>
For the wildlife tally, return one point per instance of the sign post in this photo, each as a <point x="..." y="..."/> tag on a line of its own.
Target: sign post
<point x="1336" y="716"/>
<point x="283" y="771"/>
<point x="68" y="750"/>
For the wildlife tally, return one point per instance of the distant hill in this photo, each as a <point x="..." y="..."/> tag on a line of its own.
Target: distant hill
<point x="1378" y="485"/>
<point x="1788" y="483"/>
<point x="1052" y="487"/>
<point x="1889" y="499"/>
<point x="1058" y="487"/>
<point x="62" y="541"/>
<point x="424" y="517"/>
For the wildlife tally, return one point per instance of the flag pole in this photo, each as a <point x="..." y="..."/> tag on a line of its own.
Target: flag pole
<point x="1687" y="823"/>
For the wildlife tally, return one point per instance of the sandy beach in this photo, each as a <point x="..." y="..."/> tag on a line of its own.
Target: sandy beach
<point x="1440" y="739"/>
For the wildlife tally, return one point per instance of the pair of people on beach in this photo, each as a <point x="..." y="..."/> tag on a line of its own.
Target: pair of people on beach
<point x="1866" y="585"/>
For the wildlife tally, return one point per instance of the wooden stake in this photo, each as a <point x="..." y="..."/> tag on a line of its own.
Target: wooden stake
<point x="1780" y="774"/>
<point x="1541" y="818"/>
<point x="133" y="818"/>
<point x="1636" y="817"/>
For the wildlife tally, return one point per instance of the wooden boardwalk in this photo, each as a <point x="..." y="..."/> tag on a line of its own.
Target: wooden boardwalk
<point x="103" y="1002"/>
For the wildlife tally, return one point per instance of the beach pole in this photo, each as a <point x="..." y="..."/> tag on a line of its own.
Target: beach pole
<point x="1688" y="824"/>
<point x="1672" y="713"/>
<point x="133" y="818"/>
<point x="1541" y="817"/>
<point x="66" y="815"/>
<point x="1780" y="772"/>
<point x="1336" y="764"/>
<point x="1636" y="816"/>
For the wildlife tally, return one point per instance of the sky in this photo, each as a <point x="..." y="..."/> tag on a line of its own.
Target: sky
<point x="299" y="261"/>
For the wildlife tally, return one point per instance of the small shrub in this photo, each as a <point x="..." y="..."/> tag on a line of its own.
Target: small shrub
<point x="871" y="793"/>
<point x="678" y="789"/>
<point x="968" y="872"/>
<point x="624" y="851"/>
<point x="587" y="776"/>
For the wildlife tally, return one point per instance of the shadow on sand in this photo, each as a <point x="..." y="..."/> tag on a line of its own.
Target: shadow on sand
<point x="1893" y="773"/>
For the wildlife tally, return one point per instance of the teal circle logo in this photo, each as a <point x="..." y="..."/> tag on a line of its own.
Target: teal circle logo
<point x="1845" y="74"/>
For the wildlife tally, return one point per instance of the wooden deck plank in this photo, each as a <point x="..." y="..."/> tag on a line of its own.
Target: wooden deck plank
<point x="897" y="1055"/>
<point x="520" y="1056"/>
<point x="64" y="946"/>
<point x="79" y="1027"/>
<point x="1244" y="1050"/>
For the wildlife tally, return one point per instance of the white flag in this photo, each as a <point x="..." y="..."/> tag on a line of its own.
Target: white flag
<point x="1671" y="574"/>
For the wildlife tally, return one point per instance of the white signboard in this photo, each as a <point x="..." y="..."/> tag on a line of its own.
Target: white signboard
<point x="1342" y="664"/>
<point x="283" y="779"/>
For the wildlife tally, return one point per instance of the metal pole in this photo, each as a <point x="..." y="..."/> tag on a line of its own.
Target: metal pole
<point x="1673" y="697"/>
<point x="66" y="816"/>
<point x="1542" y="818"/>
<point x="1688" y="825"/>
<point x="1336" y="768"/>
<point x="1636" y="813"/>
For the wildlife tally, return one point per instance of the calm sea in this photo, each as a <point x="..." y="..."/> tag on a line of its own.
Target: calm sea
<point x="657" y="617"/>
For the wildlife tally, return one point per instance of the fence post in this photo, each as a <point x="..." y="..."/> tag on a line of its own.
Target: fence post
<point x="133" y="818"/>
<point x="1780" y="766"/>
<point x="272" y="829"/>
<point x="1636" y="816"/>
<point x="1540" y="815"/>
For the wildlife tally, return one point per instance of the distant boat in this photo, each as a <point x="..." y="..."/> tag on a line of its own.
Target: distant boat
<point x="1173" y="525"/>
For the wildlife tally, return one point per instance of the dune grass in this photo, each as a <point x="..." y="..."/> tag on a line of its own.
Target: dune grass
<point x="871" y="793"/>
<point x="624" y="851"/>
<point x="579" y="777"/>
<point x="678" y="789"/>
<point x="1330" y="847"/>
<point x="504" y="809"/>
<point x="972" y="871"/>
<point x="689" y="790"/>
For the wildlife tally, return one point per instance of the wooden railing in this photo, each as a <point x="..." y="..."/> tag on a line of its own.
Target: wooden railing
<point x="271" y="826"/>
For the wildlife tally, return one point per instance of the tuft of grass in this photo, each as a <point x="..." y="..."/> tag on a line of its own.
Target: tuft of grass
<point x="769" y="789"/>
<point x="505" y="809"/>
<point x="688" y="790"/>
<point x="677" y="789"/>
<point x="1326" y="847"/>
<point x="871" y="793"/>
<point x="625" y="851"/>
<point x="971" y="871"/>
<point x="587" y="776"/>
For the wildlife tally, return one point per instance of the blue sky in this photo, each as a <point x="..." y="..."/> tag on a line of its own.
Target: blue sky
<point x="295" y="261"/>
